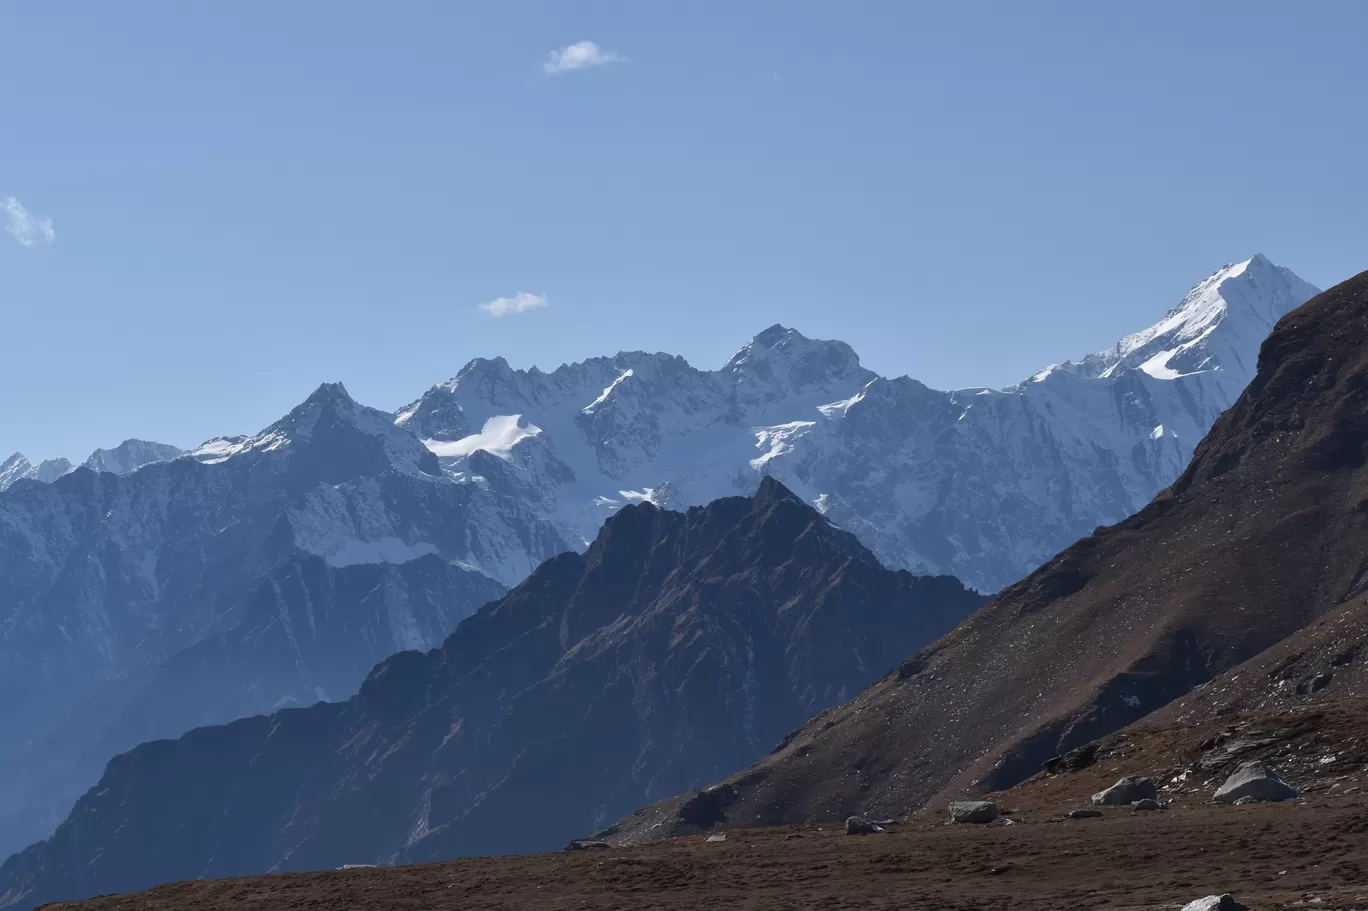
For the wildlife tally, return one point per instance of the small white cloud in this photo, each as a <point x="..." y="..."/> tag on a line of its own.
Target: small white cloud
<point x="518" y="303"/>
<point x="29" y="230"/>
<point x="578" y="56"/>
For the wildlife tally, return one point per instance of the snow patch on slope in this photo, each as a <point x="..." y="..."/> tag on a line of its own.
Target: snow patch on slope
<point x="498" y="437"/>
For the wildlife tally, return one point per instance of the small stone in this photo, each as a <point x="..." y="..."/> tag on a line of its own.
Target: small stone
<point x="1256" y="780"/>
<point x="713" y="839"/>
<point x="1127" y="791"/>
<point x="858" y="825"/>
<point x="1147" y="804"/>
<point x="1085" y="814"/>
<point x="977" y="811"/>
<point x="587" y="844"/>
<point x="1215" y="903"/>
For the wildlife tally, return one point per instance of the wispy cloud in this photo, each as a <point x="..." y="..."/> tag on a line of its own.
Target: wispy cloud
<point x="511" y="306"/>
<point x="29" y="230"/>
<point x="579" y="56"/>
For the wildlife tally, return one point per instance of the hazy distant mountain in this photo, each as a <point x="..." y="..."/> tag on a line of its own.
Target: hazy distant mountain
<point x="117" y="588"/>
<point x="127" y="456"/>
<point x="18" y="468"/>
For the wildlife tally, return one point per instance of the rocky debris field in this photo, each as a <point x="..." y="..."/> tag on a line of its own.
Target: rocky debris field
<point x="1306" y="853"/>
<point x="1319" y="749"/>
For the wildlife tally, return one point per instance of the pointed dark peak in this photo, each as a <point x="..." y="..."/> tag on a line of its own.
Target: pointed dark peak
<point x="773" y="491"/>
<point x="330" y="394"/>
<point x="631" y="520"/>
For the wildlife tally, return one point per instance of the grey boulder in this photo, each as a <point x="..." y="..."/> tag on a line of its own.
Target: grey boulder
<point x="1147" y="804"/>
<point x="980" y="811"/>
<point x="1254" y="780"/>
<point x="858" y="825"/>
<point x="587" y="844"/>
<point x="1215" y="903"/>
<point x="1126" y="792"/>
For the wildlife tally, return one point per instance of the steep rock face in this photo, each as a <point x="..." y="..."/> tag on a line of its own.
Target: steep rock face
<point x="979" y="483"/>
<point x="679" y="645"/>
<point x="1256" y="552"/>
<point x="105" y="577"/>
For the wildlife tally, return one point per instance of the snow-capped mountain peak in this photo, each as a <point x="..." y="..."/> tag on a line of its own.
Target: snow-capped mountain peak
<point x="980" y="483"/>
<point x="17" y="467"/>
<point x="321" y="425"/>
<point x="781" y="362"/>
<point x="1218" y="325"/>
<point x="130" y="455"/>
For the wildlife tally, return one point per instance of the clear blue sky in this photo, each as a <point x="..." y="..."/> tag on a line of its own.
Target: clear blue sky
<point x="249" y="198"/>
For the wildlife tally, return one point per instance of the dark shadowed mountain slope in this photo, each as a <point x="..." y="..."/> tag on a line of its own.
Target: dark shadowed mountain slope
<point x="678" y="647"/>
<point x="1264" y="534"/>
<point x="305" y="632"/>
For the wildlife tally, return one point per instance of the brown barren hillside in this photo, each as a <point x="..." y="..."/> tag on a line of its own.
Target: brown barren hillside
<point x="1266" y="532"/>
<point x="1274" y="857"/>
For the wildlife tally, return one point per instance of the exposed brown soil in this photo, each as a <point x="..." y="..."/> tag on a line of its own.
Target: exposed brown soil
<point x="1269" y="856"/>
